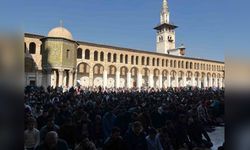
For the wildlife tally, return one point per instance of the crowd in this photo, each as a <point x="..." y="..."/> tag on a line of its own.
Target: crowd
<point x="120" y="119"/>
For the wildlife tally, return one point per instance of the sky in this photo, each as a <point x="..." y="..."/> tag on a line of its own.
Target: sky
<point x="207" y="28"/>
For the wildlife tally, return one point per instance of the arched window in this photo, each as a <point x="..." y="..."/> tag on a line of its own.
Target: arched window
<point x="148" y="60"/>
<point x="153" y="62"/>
<point x="102" y="56"/>
<point x="166" y="62"/>
<point x="194" y="65"/>
<point x="95" y="56"/>
<point x="187" y="65"/>
<point x="175" y="64"/>
<point x="121" y="58"/>
<point x="191" y="65"/>
<point x="158" y="61"/>
<point x="79" y="53"/>
<point x="136" y="60"/>
<point x="162" y="62"/>
<point x="171" y="63"/>
<point x="182" y="64"/>
<point x="142" y="60"/>
<point x="68" y="53"/>
<point x="87" y="54"/>
<point x="114" y="58"/>
<point x="32" y="48"/>
<point x="126" y="59"/>
<point x="179" y="64"/>
<point x="109" y="57"/>
<point x="132" y="60"/>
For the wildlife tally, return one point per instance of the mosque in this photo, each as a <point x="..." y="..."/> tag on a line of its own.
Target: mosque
<point x="59" y="60"/>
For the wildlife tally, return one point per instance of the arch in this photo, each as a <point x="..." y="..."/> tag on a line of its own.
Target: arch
<point x="136" y="60"/>
<point x="114" y="57"/>
<point x="156" y="72"/>
<point x="132" y="59"/>
<point x="162" y="62"/>
<point x="153" y="62"/>
<point x="191" y="65"/>
<point x="121" y="58"/>
<point x="87" y="54"/>
<point x="142" y="60"/>
<point x="179" y="64"/>
<point x="158" y="62"/>
<point x="83" y="68"/>
<point x="198" y="66"/>
<point x="98" y="69"/>
<point x="173" y="73"/>
<point x="148" y="61"/>
<point x="102" y="56"/>
<point x="189" y="74"/>
<point x="32" y="48"/>
<point x="96" y="56"/>
<point x="180" y="74"/>
<point x="187" y="65"/>
<point x="109" y="57"/>
<point x="126" y="59"/>
<point x="171" y="63"/>
<point x="134" y="71"/>
<point x="194" y="65"/>
<point x="111" y="70"/>
<point x="79" y="53"/>
<point x="182" y="64"/>
<point x="196" y="74"/>
<point x="25" y="47"/>
<point x="145" y="72"/>
<point x="165" y="73"/>
<point x="174" y="63"/>
<point x="123" y="71"/>
<point x="166" y="62"/>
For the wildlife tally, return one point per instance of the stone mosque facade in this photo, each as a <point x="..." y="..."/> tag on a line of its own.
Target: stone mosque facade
<point x="59" y="60"/>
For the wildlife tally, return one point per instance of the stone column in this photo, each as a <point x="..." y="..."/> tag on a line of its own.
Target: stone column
<point x="184" y="80"/>
<point x="151" y="80"/>
<point x="128" y="79"/>
<point x="205" y="81"/>
<point x="177" y="80"/>
<point x="71" y="73"/>
<point x="199" y="82"/>
<point x="160" y="81"/>
<point x="91" y="76"/>
<point x="105" y="78"/>
<point x="220" y="82"/>
<point x="117" y="79"/>
<point x="60" y="71"/>
<point x="169" y="80"/>
<point x="193" y="80"/>
<point x="210" y="82"/>
<point x="139" y="80"/>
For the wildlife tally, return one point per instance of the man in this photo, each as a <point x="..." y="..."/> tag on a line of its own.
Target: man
<point x="53" y="143"/>
<point x="135" y="137"/>
<point x="31" y="135"/>
<point x="51" y="126"/>
<point x="115" y="141"/>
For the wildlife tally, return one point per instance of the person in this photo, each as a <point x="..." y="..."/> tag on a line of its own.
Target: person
<point x="52" y="142"/>
<point x="152" y="142"/>
<point x="108" y="121"/>
<point x="135" y="137"/>
<point x="51" y="126"/>
<point x="31" y="136"/>
<point x="42" y="119"/>
<point x="86" y="144"/>
<point x="164" y="140"/>
<point x="115" y="141"/>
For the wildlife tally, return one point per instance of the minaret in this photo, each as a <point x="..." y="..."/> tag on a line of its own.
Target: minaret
<point x="165" y="39"/>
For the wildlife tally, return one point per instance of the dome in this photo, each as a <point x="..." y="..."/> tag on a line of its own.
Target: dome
<point x="61" y="33"/>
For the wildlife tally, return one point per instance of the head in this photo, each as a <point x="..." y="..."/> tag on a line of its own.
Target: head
<point x="31" y="123"/>
<point x="50" y="122"/>
<point x="51" y="139"/>
<point x="137" y="127"/>
<point x="115" y="132"/>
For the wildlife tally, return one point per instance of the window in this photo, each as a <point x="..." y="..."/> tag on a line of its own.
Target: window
<point x="114" y="58"/>
<point x="79" y="53"/>
<point x="87" y="54"/>
<point x="162" y="62"/>
<point x="171" y="63"/>
<point x="132" y="60"/>
<point x="158" y="61"/>
<point x="95" y="56"/>
<point x="136" y="60"/>
<point x="186" y="65"/>
<point x="121" y="58"/>
<point x="109" y="57"/>
<point x="148" y="59"/>
<point x="142" y="60"/>
<point x="67" y="53"/>
<point x="126" y="59"/>
<point x="102" y="56"/>
<point x="32" y="48"/>
<point x="153" y="61"/>
<point x="25" y="47"/>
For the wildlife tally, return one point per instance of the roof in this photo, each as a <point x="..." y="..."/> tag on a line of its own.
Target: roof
<point x="128" y="49"/>
<point x="169" y="25"/>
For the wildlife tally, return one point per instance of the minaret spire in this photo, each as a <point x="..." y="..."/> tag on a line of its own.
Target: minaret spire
<point x="165" y="12"/>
